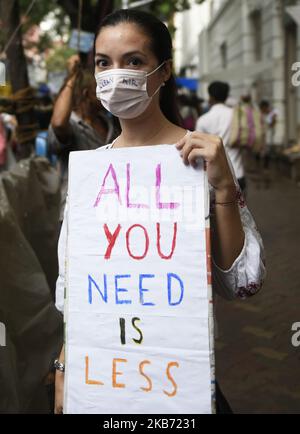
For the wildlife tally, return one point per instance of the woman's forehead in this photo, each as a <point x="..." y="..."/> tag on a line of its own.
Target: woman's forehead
<point x="123" y="36"/>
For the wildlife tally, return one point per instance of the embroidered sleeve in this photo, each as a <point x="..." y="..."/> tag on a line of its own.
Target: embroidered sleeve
<point x="245" y="277"/>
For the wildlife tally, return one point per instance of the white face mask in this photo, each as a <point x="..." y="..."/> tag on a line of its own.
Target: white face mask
<point x="123" y="92"/>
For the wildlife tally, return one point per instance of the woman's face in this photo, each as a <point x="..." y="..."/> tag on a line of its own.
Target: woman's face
<point x="125" y="46"/>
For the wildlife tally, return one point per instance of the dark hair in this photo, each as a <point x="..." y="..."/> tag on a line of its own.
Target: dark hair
<point x="264" y="104"/>
<point x="84" y="80"/>
<point x="219" y="91"/>
<point x="161" y="46"/>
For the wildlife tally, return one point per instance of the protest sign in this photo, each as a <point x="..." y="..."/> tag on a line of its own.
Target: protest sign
<point x="137" y="293"/>
<point x="84" y="39"/>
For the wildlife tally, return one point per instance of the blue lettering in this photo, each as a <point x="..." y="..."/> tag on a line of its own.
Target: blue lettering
<point x="91" y="283"/>
<point x="175" y="288"/>
<point x="121" y="289"/>
<point x="105" y="82"/>
<point x="142" y="290"/>
<point x="130" y="82"/>
<point x="174" y="276"/>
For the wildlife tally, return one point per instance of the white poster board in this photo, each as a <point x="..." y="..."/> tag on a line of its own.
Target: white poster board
<point x="137" y="332"/>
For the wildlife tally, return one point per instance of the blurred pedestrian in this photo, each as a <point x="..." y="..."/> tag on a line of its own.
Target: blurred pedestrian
<point x="270" y="120"/>
<point x="218" y="121"/>
<point x="8" y="125"/>
<point x="187" y="111"/>
<point x="247" y="129"/>
<point x="44" y="106"/>
<point x="3" y="143"/>
<point x="79" y="122"/>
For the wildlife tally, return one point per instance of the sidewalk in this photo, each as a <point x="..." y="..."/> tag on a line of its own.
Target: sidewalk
<point x="257" y="366"/>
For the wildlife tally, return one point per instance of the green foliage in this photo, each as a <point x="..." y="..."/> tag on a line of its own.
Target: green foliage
<point x="166" y="9"/>
<point x="58" y="59"/>
<point x="40" y="9"/>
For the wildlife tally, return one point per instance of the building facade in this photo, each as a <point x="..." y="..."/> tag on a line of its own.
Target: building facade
<point x="254" y="45"/>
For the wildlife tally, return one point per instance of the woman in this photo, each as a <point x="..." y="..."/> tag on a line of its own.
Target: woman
<point x="78" y="122"/>
<point x="135" y="48"/>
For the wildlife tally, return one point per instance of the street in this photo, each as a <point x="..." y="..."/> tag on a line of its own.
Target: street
<point x="257" y="365"/>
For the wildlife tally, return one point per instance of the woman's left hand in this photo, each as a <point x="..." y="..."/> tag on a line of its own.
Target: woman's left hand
<point x="211" y="149"/>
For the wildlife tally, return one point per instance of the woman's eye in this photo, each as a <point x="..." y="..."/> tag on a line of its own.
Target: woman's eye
<point x="101" y="63"/>
<point x="135" y="61"/>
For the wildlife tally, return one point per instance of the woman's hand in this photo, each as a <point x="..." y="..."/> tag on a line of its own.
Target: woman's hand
<point x="72" y="64"/>
<point x="59" y="385"/>
<point x="211" y="149"/>
<point x="59" y="392"/>
<point x="228" y="234"/>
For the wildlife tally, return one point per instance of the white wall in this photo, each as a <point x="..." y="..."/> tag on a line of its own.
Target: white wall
<point x="265" y="79"/>
<point x="189" y="24"/>
<point x="203" y="29"/>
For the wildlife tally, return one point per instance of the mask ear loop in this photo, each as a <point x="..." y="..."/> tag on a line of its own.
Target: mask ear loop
<point x="150" y="73"/>
<point x="159" y="66"/>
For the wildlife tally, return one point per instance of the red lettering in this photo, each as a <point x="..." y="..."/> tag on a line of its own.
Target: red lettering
<point x="173" y="242"/>
<point x="146" y="242"/>
<point x="111" y="238"/>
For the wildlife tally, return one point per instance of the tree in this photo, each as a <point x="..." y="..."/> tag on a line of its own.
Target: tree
<point x="58" y="58"/>
<point x="167" y="8"/>
<point x="17" y="69"/>
<point x="93" y="11"/>
<point x="10" y="12"/>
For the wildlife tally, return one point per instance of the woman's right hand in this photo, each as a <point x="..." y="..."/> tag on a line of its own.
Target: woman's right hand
<point x="59" y="392"/>
<point x="73" y="63"/>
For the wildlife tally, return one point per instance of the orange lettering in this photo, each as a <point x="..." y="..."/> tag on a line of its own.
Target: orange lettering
<point x="171" y="394"/>
<point x="141" y="365"/>
<point x="87" y="381"/>
<point x="115" y="373"/>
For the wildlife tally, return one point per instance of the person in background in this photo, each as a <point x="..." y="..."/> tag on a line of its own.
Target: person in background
<point x="218" y="121"/>
<point x="44" y="106"/>
<point x="3" y="143"/>
<point x="249" y="126"/>
<point x="270" y="120"/>
<point x="197" y="103"/>
<point x="78" y="122"/>
<point x="188" y="112"/>
<point x="8" y="126"/>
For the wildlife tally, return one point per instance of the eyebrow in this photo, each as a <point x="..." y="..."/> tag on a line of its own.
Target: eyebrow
<point x="130" y="53"/>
